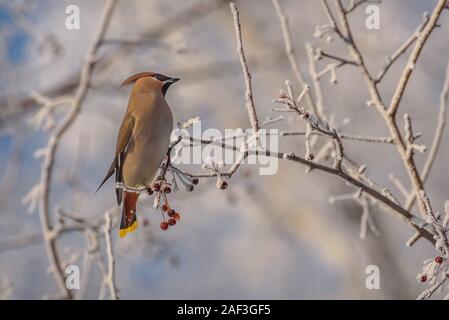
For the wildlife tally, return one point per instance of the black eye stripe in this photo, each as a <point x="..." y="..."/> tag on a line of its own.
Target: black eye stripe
<point x="161" y="77"/>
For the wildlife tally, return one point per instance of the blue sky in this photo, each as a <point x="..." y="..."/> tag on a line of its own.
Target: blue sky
<point x="17" y="41"/>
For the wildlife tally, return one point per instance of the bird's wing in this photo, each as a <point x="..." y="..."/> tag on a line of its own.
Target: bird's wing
<point x="124" y="136"/>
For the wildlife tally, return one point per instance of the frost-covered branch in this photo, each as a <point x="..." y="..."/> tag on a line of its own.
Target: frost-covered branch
<point x="402" y="49"/>
<point x="49" y="153"/>
<point x="289" y="49"/>
<point x="110" y="276"/>
<point x="410" y="65"/>
<point x="249" y="91"/>
<point x="438" y="135"/>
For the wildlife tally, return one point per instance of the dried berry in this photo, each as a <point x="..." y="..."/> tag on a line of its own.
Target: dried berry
<point x="172" y="221"/>
<point x="156" y="186"/>
<point x="223" y="185"/>
<point x="438" y="259"/>
<point x="164" y="225"/>
<point x="189" y="188"/>
<point x="167" y="189"/>
<point x="171" y="212"/>
<point x="165" y="207"/>
<point x="177" y="216"/>
<point x="149" y="191"/>
<point x="195" y="181"/>
<point x="423" y="278"/>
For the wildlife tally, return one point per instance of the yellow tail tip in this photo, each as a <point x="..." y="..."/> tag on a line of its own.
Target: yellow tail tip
<point x="131" y="228"/>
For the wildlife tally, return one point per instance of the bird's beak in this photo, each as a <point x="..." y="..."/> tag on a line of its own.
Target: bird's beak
<point x="174" y="80"/>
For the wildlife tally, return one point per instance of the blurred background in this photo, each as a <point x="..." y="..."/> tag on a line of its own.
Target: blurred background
<point x="265" y="237"/>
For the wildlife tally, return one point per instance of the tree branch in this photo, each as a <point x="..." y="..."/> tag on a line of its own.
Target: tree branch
<point x="53" y="143"/>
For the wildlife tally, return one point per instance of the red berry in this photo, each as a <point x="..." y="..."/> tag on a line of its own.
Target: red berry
<point x="172" y="221"/>
<point x="156" y="187"/>
<point x="438" y="259"/>
<point x="145" y="222"/>
<point x="171" y="212"/>
<point x="423" y="278"/>
<point x="195" y="181"/>
<point x="164" y="225"/>
<point x="167" y="189"/>
<point x="177" y="216"/>
<point x="165" y="207"/>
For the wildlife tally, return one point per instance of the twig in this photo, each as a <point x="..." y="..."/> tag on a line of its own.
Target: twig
<point x="355" y="4"/>
<point x="433" y="219"/>
<point x="249" y="91"/>
<point x="436" y="142"/>
<point x="426" y="294"/>
<point x="396" y="209"/>
<point x="402" y="49"/>
<point x="410" y="66"/>
<point x="316" y="86"/>
<point x="441" y="123"/>
<point x="376" y="100"/>
<point x="289" y="49"/>
<point x="342" y="61"/>
<point x="110" y="277"/>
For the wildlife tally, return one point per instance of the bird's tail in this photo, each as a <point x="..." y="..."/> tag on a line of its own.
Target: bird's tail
<point x="129" y="218"/>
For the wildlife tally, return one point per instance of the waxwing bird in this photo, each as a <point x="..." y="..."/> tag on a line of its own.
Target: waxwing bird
<point x="142" y="142"/>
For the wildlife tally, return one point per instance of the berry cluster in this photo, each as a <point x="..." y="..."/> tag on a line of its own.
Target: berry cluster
<point x="430" y="273"/>
<point x="172" y="214"/>
<point x="162" y="188"/>
<point x="159" y="186"/>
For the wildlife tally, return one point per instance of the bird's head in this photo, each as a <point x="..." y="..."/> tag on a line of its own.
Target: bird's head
<point x="152" y="78"/>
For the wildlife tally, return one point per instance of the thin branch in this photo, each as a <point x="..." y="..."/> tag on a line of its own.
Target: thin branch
<point x="289" y="49"/>
<point x="345" y="136"/>
<point x="376" y="100"/>
<point x="355" y="4"/>
<point x="441" y="123"/>
<point x="110" y="277"/>
<point x="331" y="18"/>
<point x="410" y="66"/>
<point x="402" y="49"/>
<point x="316" y="86"/>
<point x="436" y="142"/>
<point x="433" y="219"/>
<point x="342" y="61"/>
<point x="426" y="294"/>
<point x="396" y="209"/>
<point x="249" y="91"/>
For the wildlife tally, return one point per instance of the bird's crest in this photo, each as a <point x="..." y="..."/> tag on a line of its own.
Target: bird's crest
<point x="137" y="76"/>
